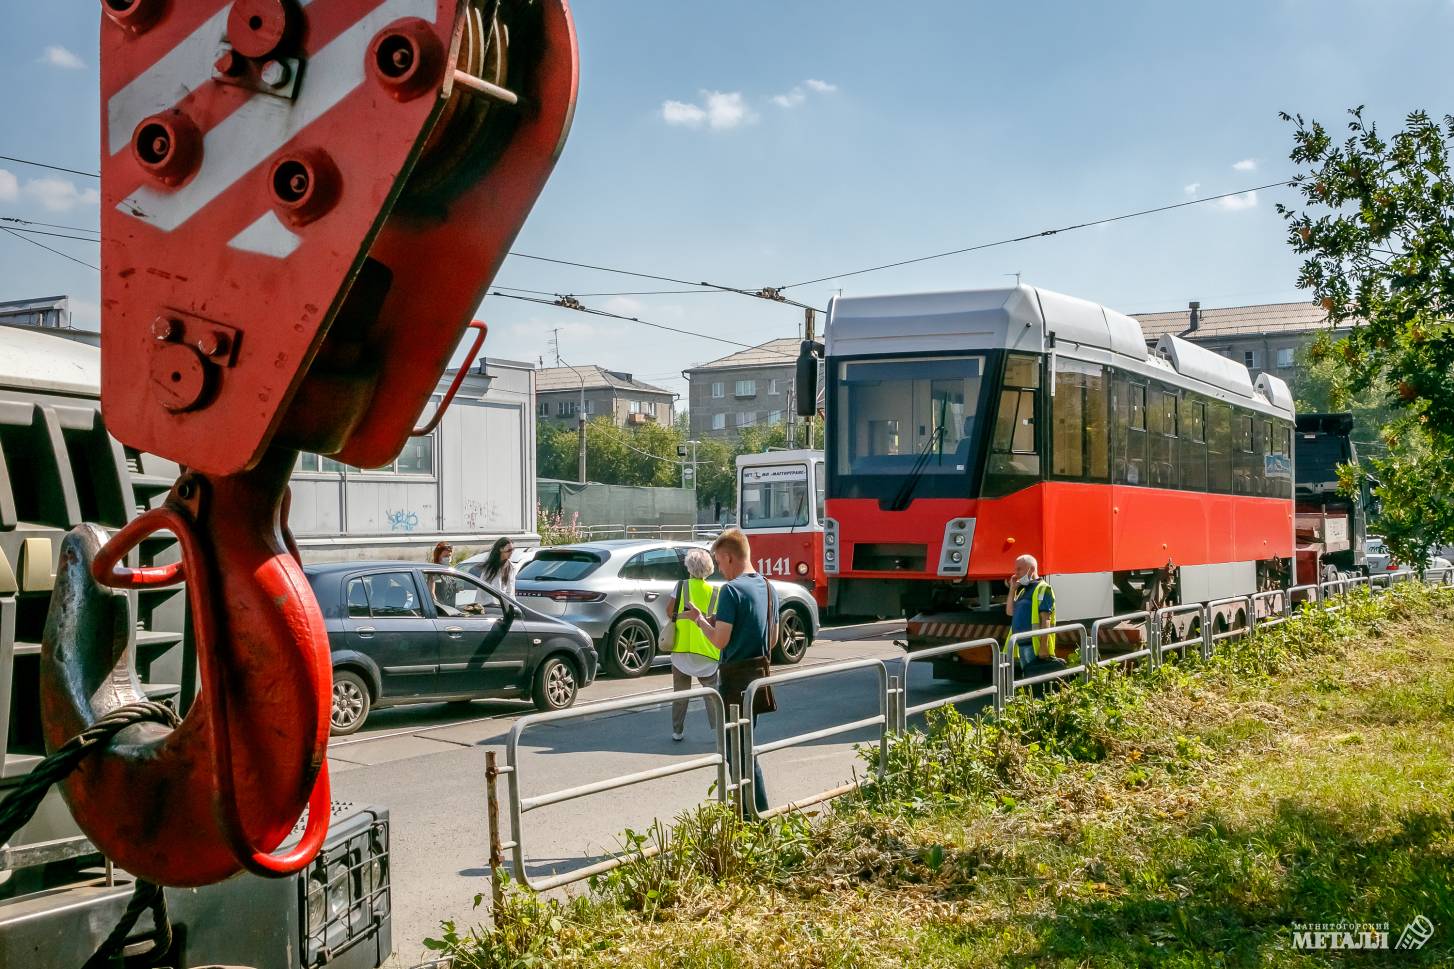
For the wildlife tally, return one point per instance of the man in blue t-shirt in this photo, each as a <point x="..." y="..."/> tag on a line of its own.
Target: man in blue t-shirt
<point x="1031" y="605"/>
<point x="743" y="628"/>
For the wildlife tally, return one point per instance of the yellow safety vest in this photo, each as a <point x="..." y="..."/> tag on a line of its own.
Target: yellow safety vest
<point x="1044" y="645"/>
<point x="689" y="636"/>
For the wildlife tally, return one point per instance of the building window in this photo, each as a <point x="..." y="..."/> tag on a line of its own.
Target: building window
<point x="774" y="386"/>
<point x="746" y="418"/>
<point x="775" y="417"/>
<point x="568" y="408"/>
<point x="590" y="407"/>
<point x="417" y="456"/>
<point x="307" y="462"/>
<point x="744" y="388"/>
<point x="1251" y="359"/>
<point x="719" y="389"/>
<point x="719" y="422"/>
<point x="1284" y="358"/>
<point x="542" y="409"/>
<point x="636" y="407"/>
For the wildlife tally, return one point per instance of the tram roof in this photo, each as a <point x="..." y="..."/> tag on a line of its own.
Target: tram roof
<point x="1030" y="319"/>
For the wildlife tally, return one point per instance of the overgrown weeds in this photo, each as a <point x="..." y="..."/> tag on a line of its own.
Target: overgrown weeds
<point x="1187" y="816"/>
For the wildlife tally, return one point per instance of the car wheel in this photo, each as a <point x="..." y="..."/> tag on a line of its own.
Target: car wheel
<point x="555" y="685"/>
<point x="630" y="646"/>
<point x="350" y="702"/>
<point x="794" y="636"/>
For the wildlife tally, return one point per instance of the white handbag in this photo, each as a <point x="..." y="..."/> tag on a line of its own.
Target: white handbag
<point x="667" y="641"/>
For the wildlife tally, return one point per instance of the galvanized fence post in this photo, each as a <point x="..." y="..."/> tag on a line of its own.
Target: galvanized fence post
<point x="735" y="744"/>
<point x="1206" y="623"/>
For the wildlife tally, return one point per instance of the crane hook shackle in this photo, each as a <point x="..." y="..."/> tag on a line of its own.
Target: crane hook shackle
<point x="220" y="792"/>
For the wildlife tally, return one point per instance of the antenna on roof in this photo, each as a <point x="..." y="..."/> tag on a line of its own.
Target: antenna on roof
<point x="1017" y="277"/>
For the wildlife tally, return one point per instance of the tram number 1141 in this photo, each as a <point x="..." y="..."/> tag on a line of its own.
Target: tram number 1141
<point x="777" y="566"/>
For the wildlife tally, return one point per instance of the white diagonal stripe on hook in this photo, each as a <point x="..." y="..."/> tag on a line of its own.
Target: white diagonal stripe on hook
<point x="264" y="124"/>
<point x="177" y="74"/>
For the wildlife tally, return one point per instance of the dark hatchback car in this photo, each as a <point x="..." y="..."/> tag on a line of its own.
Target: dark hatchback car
<point x="401" y="633"/>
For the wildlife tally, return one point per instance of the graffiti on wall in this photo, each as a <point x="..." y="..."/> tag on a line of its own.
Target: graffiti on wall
<point x="402" y="520"/>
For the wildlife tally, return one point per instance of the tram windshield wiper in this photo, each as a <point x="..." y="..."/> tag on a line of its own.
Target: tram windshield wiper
<point x="906" y="490"/>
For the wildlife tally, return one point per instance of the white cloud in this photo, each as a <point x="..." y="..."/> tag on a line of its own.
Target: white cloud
<point x="822" y="87"/>
<point x="1245" y="165"/>
<point x="1238" y="203"/>
<point x="1192" y="188"/>
<point x="719" y="109"/>
<point x="624" y="305"/>
<point x="682" y="113"/>
<point x="791" y="99"/>
<point x="59" y="195"/>
<point x="727" y="109"/>
<point x="9" y="186"/>
<point x="60" y="57"/>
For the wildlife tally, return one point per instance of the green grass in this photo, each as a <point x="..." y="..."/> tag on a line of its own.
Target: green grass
<point x="1182" y="817"/>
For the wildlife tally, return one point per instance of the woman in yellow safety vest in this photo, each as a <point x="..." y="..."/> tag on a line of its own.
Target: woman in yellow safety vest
<point x="692" y="655"/>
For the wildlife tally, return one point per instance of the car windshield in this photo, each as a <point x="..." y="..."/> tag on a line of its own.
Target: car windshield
<point x="908" y="415"/>
<point x="560" y="565"/>
<point x="774" y="497"/>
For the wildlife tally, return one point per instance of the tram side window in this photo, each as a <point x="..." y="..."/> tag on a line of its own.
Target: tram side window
<point x="1281" y="480"/>
<point x="1079" y="426"/>
<point x="1219" y="447"/>
<point x="1130" y="410"/>
<point x="1194" y="444"/>
<point x="1244" y="480"/>
<point x="1161" y="435"/>
<point x="1014" y="450"/>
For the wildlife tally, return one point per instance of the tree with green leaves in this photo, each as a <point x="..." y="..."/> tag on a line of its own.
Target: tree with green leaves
<point x="1376" y="230"/>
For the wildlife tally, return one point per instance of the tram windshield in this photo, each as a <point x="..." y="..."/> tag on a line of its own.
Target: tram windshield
<point x="774" y="496"/>
<point x="908" y="416"/>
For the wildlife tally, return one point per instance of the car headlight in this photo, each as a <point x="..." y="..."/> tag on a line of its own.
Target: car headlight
<point x="317" y="907"/>
<point x="337" y="889"/>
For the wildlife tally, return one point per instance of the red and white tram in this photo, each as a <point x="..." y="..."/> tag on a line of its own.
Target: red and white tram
<point x="967" y="428"/>
<point x="780" y="507"/>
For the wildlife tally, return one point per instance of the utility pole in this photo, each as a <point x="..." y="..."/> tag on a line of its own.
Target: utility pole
<point x="810" y="332"/>
<point x="580" y="412"/>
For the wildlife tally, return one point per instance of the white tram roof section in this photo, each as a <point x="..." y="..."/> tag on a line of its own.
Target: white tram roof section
<point x="1020" y="318"/>
<point x="31" y="359"/>
<point x="786" y="456"/>
<point x="1008" y="317"/>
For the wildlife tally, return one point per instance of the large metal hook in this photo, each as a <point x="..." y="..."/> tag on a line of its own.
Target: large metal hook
<point x="218" y="794"/>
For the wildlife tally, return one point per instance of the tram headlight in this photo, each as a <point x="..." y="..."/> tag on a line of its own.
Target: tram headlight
<point x="830" y="538"/>
<point x="830" y="555"/>
<point x="956" y="557"/>
<point x="958" y="540"/>
<point x="802" y="568"/>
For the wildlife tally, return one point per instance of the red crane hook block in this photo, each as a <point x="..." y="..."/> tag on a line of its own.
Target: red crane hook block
<point x="196" y="804"/>
<point x="302" y="207"/>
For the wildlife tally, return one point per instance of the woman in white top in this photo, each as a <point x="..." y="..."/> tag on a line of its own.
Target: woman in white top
<point x="499" y="572"/>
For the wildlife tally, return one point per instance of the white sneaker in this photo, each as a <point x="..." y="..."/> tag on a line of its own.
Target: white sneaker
<point x="677" y="735"/>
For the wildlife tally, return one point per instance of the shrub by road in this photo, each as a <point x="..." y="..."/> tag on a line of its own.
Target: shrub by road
<point x="1187" y="816"/>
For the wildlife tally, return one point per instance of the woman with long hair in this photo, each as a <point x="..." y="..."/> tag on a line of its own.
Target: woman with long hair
<point x="498" y="572"/>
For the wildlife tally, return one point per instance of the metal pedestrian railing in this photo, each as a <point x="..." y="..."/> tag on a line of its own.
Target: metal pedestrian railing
<point x="889" y="695"/>
<point x="990" y="692"/>
<point x="1011" y="653"/>
<point x="520" y="806"/>
<point x="737" y="750"/>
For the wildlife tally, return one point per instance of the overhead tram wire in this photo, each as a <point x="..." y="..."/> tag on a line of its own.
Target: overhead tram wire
<point x="55" y="235"/>
<point x="63" y="255"/>
<point x="54" y="168"/>
<point x="1036" y="235"/>
<point x="766" y="293"/>
<point x="48" y="225"/>
<point x="570" y="303"/>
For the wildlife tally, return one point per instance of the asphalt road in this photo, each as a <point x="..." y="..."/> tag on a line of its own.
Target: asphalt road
<point x="426" y="764"/>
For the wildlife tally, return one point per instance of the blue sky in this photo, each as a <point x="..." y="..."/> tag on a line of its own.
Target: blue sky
<point x="765" y="142"/>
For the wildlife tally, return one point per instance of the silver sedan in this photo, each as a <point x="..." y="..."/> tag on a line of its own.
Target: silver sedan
<point x="619" y="593"/>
